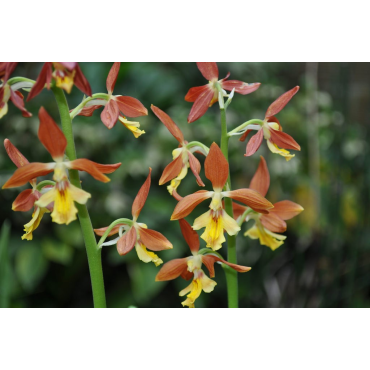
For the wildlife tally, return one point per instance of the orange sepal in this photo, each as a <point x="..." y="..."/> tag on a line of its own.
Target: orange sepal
<point x="240" y="87"/>
<point x="168" y="122"/>
<point x="81" y="82"/>
<point x="172" y="269"/>
<point x="238" y="210"/>
<point x="126" y="242"/>
<point x="216" y="167"/>
<point x="90" y="167"/>
<point x="287" y="209"/>
<point x="209" y="70"/>
<point x="17" y="98"/>
<point x="281" y="102"/>
<point x="112" y="77"/>
<point x="201" y="104"/>
<point x="154" y="240"/>
<point x="188" y="203"/>
<point x="110" y="114"/>
<point x="273" y="223"/>
<point x="254" y="143"/>
<point x="251" y="198"/>
<point x="141" y="196"/>
<point x="261" y="179"/>
<point x="131" y="107"/>
<point x="172" y="170"/>
<point x="209" y="261"/>
<point x="244" y="136"/>
<point x="187" y="275"/>
<point x="14" y="154"/>
<point x="283" y="140"/>
<point x="195" y="168"/>
<point x="43" y="78"/>
<point x="194" y="93"/>
<point x="191" y="236"/>
<point x="24" y="201"/>
<point x="88" y="111"/>
<point x="51" y="135"/>
<point x="107" y="168"/>
<point x="101" y="231"/>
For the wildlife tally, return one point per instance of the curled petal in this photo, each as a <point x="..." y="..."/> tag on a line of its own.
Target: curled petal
<point x="14" y="154"/>
<point x="188" y="203"/>
<point x="195" y="168"/>
<point x="209" y="70"/>
<point x="107" y="168"/>
<point x="24" y="201"/>
<point x="112" y="77"/>
<point x="101" y="231"/>
<point x="283" y="140"/>
<point x="216" y="167"/>
<point x="172" y="170"/>
<point x="191" y="236"/>
<point x="281" y="102"/>
<point x="244" y="136"/>
<point x="287" y="209"/>
<point x="273" y="223"/>
<point x="28" y="172"/>
<point x="127" y="241"/>
<point x="90" y="167"/>
<point x="167" y="121"/>
<point x="209" y="261"/>
<point x="194" y="93"/>
<point x="261" y="179"/>
<point x="254" y="143"/>
<point x="17" y="98"/>
<point x="240" y="86"/>
<point x="51" y="135"/>
<point x="172" y="269"/>
<point x="176" y="195"/>
<point x="201" y="104"/>
<point x="131" y="107"/>
<point x="88" y="111"/>
<point x="81" y="82"/>
<point x="251" y="198"/>
<point x="154" y="240"/>
<point x="141" y="196"/>
<point x="110" y="114"/>
<point x="43" y="78"/>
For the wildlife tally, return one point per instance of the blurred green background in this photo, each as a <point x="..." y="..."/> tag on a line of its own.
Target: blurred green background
<point x="325" y="261"/>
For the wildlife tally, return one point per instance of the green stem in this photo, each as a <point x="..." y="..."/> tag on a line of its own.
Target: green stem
<point x="77" y="110"/>
<point x="231" y="275"/>
<point x="93" y="253"/>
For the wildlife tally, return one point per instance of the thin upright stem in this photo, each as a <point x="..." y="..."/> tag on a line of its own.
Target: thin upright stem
<point x="93" y="252"/>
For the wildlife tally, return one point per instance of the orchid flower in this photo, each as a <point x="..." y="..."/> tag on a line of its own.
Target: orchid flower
<point x="65" y="75"/>
<point x="183" y="156"/>
<point x="116" y="107"/>
<point x="267" y="227"/>
<point x="216" y="220"/>
<point x="27" y="198"/>
<point x="63" y="194"/>
<point x="190" y="267"/>
<point x="205" y="96"/>
<point x="133" y="234"/>
<point x="6" y="69"/>
<point x="270" y="129"/>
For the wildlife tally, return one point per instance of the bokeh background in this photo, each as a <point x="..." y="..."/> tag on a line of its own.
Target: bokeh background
<point x="325" y="261"/>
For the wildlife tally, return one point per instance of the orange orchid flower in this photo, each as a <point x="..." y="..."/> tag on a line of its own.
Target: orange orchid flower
<point x="65" y="74"/>
<point x="133" y="234"/>
<point x="267" y="227"/>
<point x="190" y="267"/>
<point x="277" y="140"/>
<point x="205" y="96"/>
<point x="116" y="107"/>
<point x="216" y="220"/>
<point x="27" y="198"/>
<point x="63" y="194"/>
<point x="183" y="157"/>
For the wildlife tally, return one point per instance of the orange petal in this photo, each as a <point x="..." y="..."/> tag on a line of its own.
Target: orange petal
<point x="43" y="78"/>
<point x="195" y="168"/>
<point x="131" y="107"/>
<point x="209" y="70"/>
<point x="90" y="167"/>
<point x="209" y="261"/>
<point x="101" y="231"/>
<point x="216" y="167"/>
<point x="240" y="86"/>
<point x="107" y="168"/>
<point x="261" y="179"/>
<point x="51" y="135"/>
<point x="188" y="203"/>
<point x="167" y="121"/>
<point x="81" y="82"/>
<point x="154" y="240"/>
<point x="88" y="111"/>
<point x="24" y="201"/>
<point x="176" y="195"/>
<point x="112" y="77"/>
<point x="172" y="269"/>
<point x="238" y="210"/>
<point x="273" y="223"/>
<point x="191" y="236"/>
<point x="254" y="143"/>
<point x="126" y="242"/>
<point x="17" y="98"/>
<point x="201" y="104"/>
<point x="281" y="102"/>
<point x="244" y="136"/>
<point x="110" y="114"/>
<point x="251" y="198"/>
<point x="172" y="170"/>
<point x="141" y="196"/>
<point x="283" y="140"/>
<point x="14" y="154"/>
<point x="287" y="209"/>
<point x="6" y="69"/>
<point x="187" y="275"/>
<point x="194" y="93"/>
<point x="27" y="173"/>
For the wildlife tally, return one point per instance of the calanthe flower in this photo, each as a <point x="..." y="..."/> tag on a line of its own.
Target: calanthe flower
<point x="267" y="227"/>
<point x="65" y="75"/>
<point x="7" y="93"/>
<point x="183" y="157"/>
<point x="277" y="140"/>
<point x="205" y="96"/>
<point x="133" y="234"/>
<point x="6" y="69"/>
<point x="63" y="194"/>
<point x="116" y="107"/>
<point x="25" y="201"/>
<point x="216" y="220"/>
<point x="190" y="268"/>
